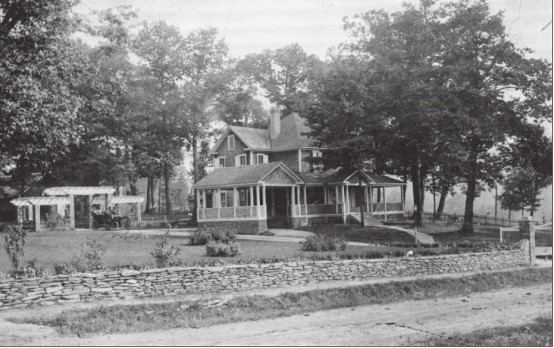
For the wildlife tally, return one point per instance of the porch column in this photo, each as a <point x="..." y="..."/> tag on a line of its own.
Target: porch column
<point x="385" y="202"/>
<point x="370" y="190"/>
<point x="251" y="196"/>
<point x="258" y="195"/>
<point x="264" y="198"/>
<point x="343" y="204"/>
<point x="72" y="211"/>
<point x="325" y="194"/>
<point x="293" y="196"/>
<point x="336" y="194"/>
<point x="348" y="197"/>
<point x="305" y="196"/>
<point x="235" y="194"/>
<point x="366" y="199"/>
<point x="298" y="195"/>
<point x="205" y="203"/>
<point x="198" y="199"/>
<point x="37" y="217"/>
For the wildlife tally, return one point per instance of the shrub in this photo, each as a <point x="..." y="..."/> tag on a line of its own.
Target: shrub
<point x="203" y="237"/>
<point x="165" y="254"/>
<point x="321" y="242"/>
<point x="222" y="249"/>
<point x="14" y="245"/>
<point x="89" y="257"/>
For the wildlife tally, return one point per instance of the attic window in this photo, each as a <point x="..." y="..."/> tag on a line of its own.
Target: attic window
<point x="231" y="142"/>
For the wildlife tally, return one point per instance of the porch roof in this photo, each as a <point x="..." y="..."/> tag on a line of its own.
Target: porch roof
<point x="245" y="175"/>
<point x="28" y="201"/>
<point x="78" y="190"/>
<point x="341" y="175"/>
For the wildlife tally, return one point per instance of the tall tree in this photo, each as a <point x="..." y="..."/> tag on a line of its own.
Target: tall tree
<point x="204" y="79"/>
<point x="493" y="90"/>
<point x="41" y="71"/>
<point x="161" y="50"/>
<point x="283" y="75"/>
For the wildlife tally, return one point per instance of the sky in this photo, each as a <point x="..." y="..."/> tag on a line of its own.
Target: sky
<point x="250" y="26"/>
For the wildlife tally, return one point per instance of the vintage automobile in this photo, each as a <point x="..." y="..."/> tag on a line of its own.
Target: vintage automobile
<point x="108" y="220"/>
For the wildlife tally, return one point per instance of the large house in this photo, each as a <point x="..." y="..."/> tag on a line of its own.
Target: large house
<point x="263" y="177"/>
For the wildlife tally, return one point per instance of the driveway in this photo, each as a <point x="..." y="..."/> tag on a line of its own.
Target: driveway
<point x="402" y="323"/>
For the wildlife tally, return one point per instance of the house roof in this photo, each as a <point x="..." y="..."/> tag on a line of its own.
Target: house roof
<point x="292" y="134"/>
<point x="252" y="137"/>
<point x="78" y="190"/>
<point x="234" y="176"/>
<point x="382" y="179"/>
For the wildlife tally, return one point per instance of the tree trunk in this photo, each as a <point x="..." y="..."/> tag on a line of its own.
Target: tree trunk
<point x="193" y="218"/>
<point x="468" y="213"/>
<point x="148" y="194"/>
<point x="442" y="200"/>
<point x="133" y="185"/>
<point x="418" y="201"/>
<point x="168" y="207"/>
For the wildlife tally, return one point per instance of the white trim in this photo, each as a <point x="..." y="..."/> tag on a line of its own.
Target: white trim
<point x="287" y="170"/>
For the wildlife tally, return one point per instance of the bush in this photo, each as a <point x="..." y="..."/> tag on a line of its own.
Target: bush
<point x="321" y="242"/>
<point x="222" y="249"/>
<point x="203" y="237"/>
<point x="164" y="254"/>
<point x="14" y="245"/>
<point x="89" y="258"/>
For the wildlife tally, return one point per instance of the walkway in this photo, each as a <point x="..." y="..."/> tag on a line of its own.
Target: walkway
<point x="281" y="235"/>
<point x="422" y="238"/>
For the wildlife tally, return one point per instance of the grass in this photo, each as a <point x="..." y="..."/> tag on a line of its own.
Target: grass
<point x="182" y="314"/>
<point x="370" y="234"/>
<point x="51" y="247"/>
<point x="535" y="334"/>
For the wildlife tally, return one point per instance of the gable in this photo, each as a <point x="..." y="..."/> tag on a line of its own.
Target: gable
<point x="279" y="176"/>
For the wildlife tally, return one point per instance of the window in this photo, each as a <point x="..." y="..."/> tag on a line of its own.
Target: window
<point x="223" y="199"/>
<point x="221" y="162"/>
<point x="240" y="160"/>
<point x="260" y="159"/>
<point x="316" y="165"/>
<point x="231" y="142"/>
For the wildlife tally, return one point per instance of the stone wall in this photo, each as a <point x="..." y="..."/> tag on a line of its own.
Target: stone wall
<point x="130" y="284"/>
<point x="237" y="226"/>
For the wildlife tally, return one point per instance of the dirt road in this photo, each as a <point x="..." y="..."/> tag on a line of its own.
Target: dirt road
<point x="392" y="324"/>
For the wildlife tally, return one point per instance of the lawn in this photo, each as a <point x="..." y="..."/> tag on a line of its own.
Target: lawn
<point x="50" y="247"/>
<point x="370" y="234"/>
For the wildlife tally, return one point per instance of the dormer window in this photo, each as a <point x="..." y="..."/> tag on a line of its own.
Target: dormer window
<point x="230" y="142"/>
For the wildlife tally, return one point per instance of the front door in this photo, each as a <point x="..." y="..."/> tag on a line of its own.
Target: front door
<point x="277" y="204"/>
<point x="82" y="212"/>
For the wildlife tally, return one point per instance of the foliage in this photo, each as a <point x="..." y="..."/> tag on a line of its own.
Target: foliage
<point x="163" y="253"/>
<point x="14" y="245"/>
<point x="521" y="188"/>
<point x="202" y="237"/>
<point x="89" y="257"/>
<point x="321" y="242"/>
<point x="218" y="248"/>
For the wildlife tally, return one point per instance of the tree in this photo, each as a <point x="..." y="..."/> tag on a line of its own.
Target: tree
<point x="204" y="79"/>
<point x="41" y="70"/>
<point x="284" y="75"/>
<point x="161" y="50"/>
<point x="493" y="91"/>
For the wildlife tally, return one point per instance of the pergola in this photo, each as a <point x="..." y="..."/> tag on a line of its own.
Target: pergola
<point x="64" y="199"/>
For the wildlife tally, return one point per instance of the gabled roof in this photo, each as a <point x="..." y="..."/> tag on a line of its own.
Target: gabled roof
<point x="340" y="175"/>
<point x="234" y="176"/>
<point x="292" y="135"/>
<point x="253" y="138"/>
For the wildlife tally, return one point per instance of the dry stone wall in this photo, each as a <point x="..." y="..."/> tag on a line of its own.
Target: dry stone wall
<point x="171" y="281"/>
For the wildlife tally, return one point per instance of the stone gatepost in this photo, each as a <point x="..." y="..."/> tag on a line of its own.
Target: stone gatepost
<point x="527" y="230"/>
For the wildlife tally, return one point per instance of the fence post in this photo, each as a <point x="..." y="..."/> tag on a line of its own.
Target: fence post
<point x="500" y="234"/>
<point x="527" y="230"/>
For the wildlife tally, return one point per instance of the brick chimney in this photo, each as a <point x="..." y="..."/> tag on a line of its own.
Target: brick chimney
<point x="274" y="122"/>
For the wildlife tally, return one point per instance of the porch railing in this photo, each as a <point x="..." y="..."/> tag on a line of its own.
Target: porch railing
<point x="232" y="213"/>
<point x="316" y="209"/>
